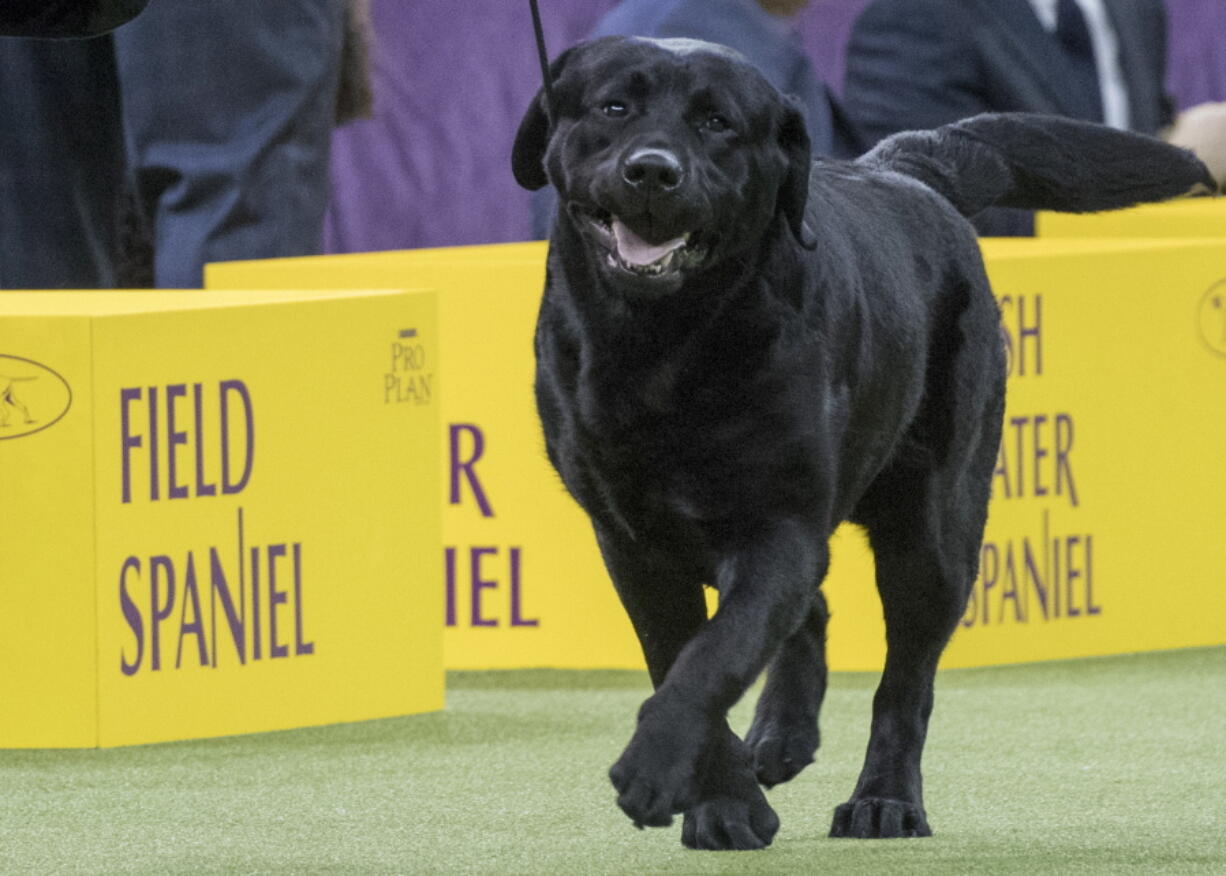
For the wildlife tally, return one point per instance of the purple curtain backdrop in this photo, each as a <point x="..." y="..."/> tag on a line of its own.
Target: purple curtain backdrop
<point x="451" y="80"/>
<point x="1196" y="66"/>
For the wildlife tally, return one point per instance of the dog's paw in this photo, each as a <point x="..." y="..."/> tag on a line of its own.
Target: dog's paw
<point x="655" y="777"/>
<point x="781" y="751"/>
<point x="730" y="823"/>
<point x="879" y="818"/>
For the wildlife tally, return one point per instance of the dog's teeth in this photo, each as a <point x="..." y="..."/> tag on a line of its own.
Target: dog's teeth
<point x="667" y="263"/>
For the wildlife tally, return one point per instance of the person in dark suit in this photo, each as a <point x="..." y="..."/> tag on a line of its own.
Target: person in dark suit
<point x="915" y="64"/>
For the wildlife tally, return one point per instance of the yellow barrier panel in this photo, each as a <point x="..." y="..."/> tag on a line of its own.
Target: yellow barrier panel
<point x="1190" y="217"/>
<point x="218" y="513"/>
<point x="1104" y="535"/>
<point x="523" y="583"/>
<point x="1106" y="495"/>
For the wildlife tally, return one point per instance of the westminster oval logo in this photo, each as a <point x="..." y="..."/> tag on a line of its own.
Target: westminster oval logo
<point x="1212" y="318"/>
<point x="33" y="397"/>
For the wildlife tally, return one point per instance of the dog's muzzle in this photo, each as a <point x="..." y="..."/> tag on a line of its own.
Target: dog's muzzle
<point x="641" y="222"/>
<point x="626" y="252"/>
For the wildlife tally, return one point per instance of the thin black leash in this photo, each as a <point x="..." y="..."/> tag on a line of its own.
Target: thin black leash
<point x="544" y="59"/>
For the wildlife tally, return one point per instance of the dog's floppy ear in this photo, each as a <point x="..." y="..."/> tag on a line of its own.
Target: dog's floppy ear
<point x="528" y="153"/>
<point x="794" y="192"/>
<point x="532" y="138"/>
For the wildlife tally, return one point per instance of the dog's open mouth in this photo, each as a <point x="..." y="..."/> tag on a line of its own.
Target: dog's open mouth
<point x="626" y="250"/>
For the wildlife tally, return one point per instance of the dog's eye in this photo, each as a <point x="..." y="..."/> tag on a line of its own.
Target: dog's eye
<point x="715" y="123"/>
<point x="614" y="109"/>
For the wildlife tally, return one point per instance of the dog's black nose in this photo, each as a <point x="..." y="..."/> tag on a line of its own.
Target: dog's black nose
<point x="656" y="169"/>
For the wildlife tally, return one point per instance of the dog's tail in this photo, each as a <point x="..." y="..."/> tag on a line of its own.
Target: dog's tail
<point x="1040" y="162"/>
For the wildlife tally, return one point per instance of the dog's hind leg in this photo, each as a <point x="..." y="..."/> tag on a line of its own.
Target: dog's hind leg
<point x="923" y="598"/>
<point x="784" y="735"/>
<point x="925" y="524"/>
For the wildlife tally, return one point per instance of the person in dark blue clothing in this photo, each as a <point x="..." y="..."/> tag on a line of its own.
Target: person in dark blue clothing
<point x="217" y="115"/>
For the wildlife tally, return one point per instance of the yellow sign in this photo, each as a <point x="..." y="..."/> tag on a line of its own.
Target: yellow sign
<point x="1103" y="336"/>
<point x="1104" y="531"/>
<point x="218" y="513"/>
<point x="522" y="582"/>
<point x="1187" y="218"/>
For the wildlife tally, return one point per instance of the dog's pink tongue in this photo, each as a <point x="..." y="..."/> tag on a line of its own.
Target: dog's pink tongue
<point x="636" y="251"/>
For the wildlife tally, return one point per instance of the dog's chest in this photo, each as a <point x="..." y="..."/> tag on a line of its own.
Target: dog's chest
<point x="665" y="448"/>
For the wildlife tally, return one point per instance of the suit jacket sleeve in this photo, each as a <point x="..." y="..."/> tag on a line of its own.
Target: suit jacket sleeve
<point x="65" y="18"/>
<point x="909" y="67"/>
<point x="1141" y="26"/>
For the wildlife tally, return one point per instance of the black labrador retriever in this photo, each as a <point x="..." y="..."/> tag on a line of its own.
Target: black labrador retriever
<point x="738" y="349"/>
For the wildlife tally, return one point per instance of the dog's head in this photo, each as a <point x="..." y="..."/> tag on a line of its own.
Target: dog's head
<point x="669" y="156"/>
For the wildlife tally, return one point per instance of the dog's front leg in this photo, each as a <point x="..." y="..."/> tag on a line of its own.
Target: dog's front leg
<point x="731" y="812"/>
<point x="766" y="589"/>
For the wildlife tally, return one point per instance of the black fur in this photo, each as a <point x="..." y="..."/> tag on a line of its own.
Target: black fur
<point x="825" y="347"/>
<point x="1040" y="163"/>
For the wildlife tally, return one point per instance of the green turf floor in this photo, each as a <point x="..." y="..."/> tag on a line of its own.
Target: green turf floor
<point x="1109" y="766"/>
